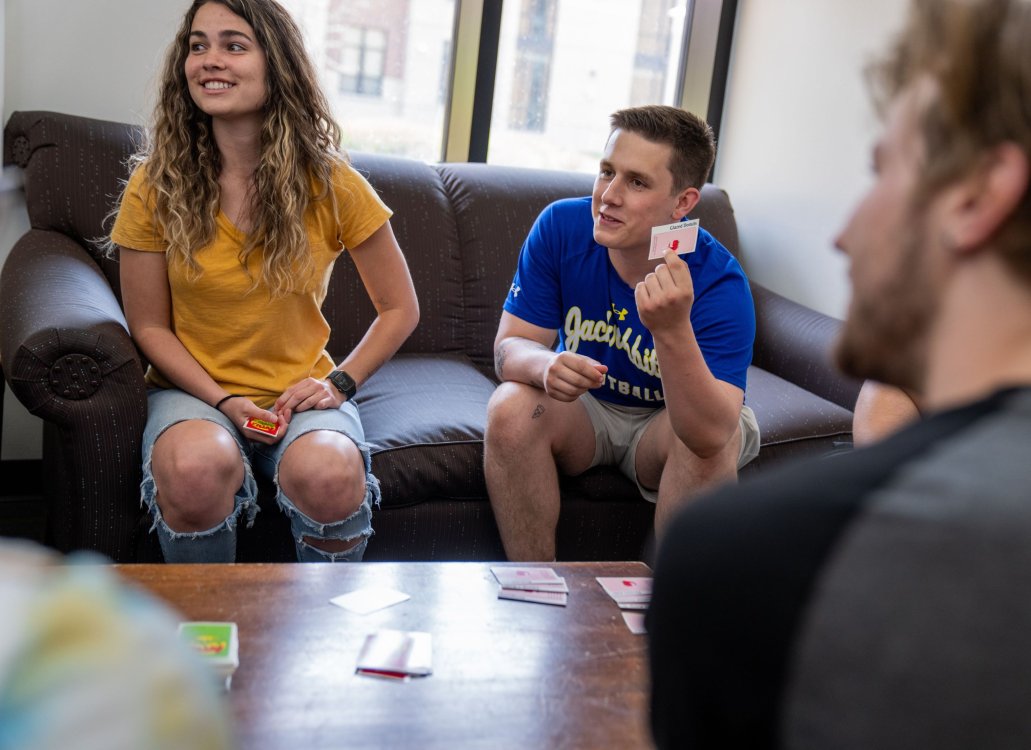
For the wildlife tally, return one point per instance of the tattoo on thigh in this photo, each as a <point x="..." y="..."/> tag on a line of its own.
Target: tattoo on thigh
<point x="538" y="411"/>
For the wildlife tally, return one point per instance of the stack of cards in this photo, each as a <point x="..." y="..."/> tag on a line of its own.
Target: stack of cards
<point x="217" y="643"/>
<point x="540" y="585"/>
<point x="628" y="593"/>
<point x="396" y="654"/>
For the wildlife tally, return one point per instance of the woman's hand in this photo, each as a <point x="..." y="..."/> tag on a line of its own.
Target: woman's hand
<point x="240" y="409"/>
<point x="310" y="393"/>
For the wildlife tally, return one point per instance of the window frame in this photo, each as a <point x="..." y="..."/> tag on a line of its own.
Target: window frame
<point x="702" y="71"/>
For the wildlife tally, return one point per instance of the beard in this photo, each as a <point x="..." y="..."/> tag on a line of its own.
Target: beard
<point x="885" y="335"/>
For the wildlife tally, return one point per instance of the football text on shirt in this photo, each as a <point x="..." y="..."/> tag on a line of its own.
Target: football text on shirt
<point x="578" y="329"/>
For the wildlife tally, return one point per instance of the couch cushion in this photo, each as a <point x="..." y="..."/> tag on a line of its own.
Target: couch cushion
<point x="73" y="168"/>
<point x="793" y="421"/>
<point x="425" y="230"/>
<point x="424" y="418"/>
<point x="494" y="209"/>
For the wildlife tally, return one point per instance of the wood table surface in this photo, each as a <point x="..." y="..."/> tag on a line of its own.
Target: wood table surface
<point x="506" y="674"/>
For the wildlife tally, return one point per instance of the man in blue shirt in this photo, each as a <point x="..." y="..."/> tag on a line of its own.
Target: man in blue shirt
<point x="599" y="396"/>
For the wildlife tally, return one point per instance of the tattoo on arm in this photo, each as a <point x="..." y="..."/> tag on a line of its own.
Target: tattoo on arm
<point x="501" y="354"/>
<point x="499" y="360"/>
<point x="537" y="412"/>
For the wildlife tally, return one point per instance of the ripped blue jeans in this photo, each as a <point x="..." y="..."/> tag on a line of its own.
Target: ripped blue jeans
<point x="166" y="407"/>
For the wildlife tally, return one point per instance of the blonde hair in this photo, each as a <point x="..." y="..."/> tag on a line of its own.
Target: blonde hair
<point x="300" y="147"/>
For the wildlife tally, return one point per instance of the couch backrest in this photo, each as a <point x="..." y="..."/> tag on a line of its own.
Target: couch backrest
<point x="72" y="169"/>
<point x="461" y="226"/>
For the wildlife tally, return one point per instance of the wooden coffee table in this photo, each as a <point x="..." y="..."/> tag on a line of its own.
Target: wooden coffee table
<point x="506" y="674"/>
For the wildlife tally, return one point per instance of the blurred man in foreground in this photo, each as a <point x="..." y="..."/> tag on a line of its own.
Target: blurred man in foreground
<point x="880" y="599"/>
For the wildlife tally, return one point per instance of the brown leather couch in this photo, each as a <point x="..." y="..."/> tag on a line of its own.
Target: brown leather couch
<point x="68" y="357"/>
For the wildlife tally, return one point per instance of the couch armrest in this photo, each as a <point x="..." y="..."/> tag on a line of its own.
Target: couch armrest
<point x="68" y="358"/>
<point x="795" y="342"/>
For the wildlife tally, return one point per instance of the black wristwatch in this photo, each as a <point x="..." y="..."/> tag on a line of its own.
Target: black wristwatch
<point x="343" y="382"/>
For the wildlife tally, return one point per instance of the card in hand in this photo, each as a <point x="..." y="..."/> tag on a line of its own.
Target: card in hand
<point x="262" y="426"/>
<point x="680" y="238"/>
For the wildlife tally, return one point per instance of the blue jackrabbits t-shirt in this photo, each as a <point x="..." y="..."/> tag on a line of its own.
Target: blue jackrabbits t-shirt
<point x="565" y="281"/>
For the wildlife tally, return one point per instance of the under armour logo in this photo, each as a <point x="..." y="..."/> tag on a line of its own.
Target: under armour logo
<point x="619" y="313"/>
<point x="515" y="290"/>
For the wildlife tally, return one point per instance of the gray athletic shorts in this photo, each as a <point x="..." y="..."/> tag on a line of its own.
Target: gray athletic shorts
<point x="618" y="430"/>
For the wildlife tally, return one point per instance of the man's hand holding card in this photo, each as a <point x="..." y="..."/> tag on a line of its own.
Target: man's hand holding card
<point x="569" y="375"/>
<point x="665" y="296"/>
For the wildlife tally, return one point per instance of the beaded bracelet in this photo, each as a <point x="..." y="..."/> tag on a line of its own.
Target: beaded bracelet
<point x="222" y="401"/>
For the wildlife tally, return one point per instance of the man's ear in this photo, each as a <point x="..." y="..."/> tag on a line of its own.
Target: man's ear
<point x="687" y="199"/>
<point x="985" y="199"/>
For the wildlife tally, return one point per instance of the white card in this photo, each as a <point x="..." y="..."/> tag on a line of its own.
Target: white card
<point x="561" y="587"/>
<point x="364" y="601"/>
<point x="681" y="237"/>
<point x="514" y="574"/>
<point x="635" y="621"/>
<point x="628" y="590"/>
<point x="394" y="653"/>
<point x="538" y="597"/>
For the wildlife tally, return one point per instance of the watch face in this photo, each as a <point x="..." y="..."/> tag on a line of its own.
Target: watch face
<point x="344" y="382"/>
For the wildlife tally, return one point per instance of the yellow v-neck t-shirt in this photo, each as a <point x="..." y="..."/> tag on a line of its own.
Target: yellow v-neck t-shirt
<point x="249" y="342"/>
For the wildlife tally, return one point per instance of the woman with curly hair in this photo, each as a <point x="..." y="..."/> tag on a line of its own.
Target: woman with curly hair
<point x="238" y="206"/>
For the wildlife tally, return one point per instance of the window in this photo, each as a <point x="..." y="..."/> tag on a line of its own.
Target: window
<point x="525" y="82"/>
<point x="565" y="65"/>
<point x="382" y="64"/>
<point x="534" y="47"/>
<point x="358" y="56"/>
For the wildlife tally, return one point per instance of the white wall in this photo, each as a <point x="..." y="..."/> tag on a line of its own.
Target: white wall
<point x="797" y="134"/>
<point x="96" y="58"/>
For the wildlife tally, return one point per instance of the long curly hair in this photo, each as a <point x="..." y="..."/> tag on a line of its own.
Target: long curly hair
<point x="300" y="147"/>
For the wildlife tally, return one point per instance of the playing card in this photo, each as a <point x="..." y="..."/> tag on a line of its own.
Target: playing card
<point x="538" y="597"/>
<point x="627" y="590"/>
<point x="217" y="643"/>
<point x="396" y="653"/>
<point x="680" y="237"/>
<point x="262" y="426"/>
<point x="512" y="575"/>
<point x="635" y="621"/>
<point x="364" y="601"/>
<point x="560" y="587"/>
<point x="633" y="605"/>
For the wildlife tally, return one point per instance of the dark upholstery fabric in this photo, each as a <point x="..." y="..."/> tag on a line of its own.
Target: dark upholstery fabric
<point x="426" y="231"/>
<point x="424" y="418"/>
<point x="68" y="357"/>
<point x="495" y="208"/>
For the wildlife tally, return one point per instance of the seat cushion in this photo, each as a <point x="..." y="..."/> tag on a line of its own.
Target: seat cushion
<point x="793" y="421"/>
<point x="424" y="418"/>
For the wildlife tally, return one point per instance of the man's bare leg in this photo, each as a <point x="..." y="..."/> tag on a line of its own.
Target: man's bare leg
<point x="663" y="460"/>
<point x="529" y="437"/>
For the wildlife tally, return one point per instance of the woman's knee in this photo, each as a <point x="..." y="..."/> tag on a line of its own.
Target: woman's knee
<point x="323" y="475"/>
<point x="197" y="470"/>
